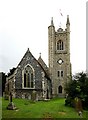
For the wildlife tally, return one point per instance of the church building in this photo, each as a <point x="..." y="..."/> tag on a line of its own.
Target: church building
<point x="32" y="79"/>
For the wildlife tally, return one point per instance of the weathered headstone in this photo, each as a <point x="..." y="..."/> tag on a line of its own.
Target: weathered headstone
<point x="33" y="96"/>
<point x="78" y="106"/>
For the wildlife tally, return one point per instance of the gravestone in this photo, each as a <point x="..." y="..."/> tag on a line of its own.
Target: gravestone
<point x="11" y="105"/>
<point x="33" y="97"/>
<point x="78" y="106"/>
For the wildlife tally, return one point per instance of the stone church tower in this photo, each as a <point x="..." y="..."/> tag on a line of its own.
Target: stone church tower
<point x="59" y="57"/>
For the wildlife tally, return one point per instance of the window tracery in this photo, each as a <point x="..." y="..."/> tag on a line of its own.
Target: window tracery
<point x="28" y="77"/>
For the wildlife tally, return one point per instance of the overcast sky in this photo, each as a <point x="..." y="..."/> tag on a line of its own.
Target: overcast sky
<point x="24" y="24"/>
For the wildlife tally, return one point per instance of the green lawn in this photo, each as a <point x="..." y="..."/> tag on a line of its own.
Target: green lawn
<point x="54" y="108"/>
<point x="0" y="108"/>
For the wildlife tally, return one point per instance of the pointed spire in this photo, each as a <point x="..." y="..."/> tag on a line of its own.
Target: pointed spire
<point x="40" y="55"/>
<point x="68" y="22"/>
<point x="52" y="21"/>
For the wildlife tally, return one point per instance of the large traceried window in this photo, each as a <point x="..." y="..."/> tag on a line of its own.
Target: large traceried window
<point x="28" y="77"/>
<point x="60" y="45"/>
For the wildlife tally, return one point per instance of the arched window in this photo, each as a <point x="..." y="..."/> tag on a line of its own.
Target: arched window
<point x="60" y="45"/>
<point x="28" y="77"/>
<point x="24" y="80"/>
<point x="62" y="73"/>
<point x="60" y="89"/>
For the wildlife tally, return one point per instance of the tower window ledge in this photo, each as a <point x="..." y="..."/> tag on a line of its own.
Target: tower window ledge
<point x="61" y="51"/>
<point x="27" y="88"/>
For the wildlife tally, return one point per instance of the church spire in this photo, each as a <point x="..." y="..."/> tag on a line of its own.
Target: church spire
<point x="40" y="55"/>
<point x="68" y="22"/>
<point x="52" y="21"/>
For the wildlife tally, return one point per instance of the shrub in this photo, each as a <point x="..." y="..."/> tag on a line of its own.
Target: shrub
<point x="69" y="102"/>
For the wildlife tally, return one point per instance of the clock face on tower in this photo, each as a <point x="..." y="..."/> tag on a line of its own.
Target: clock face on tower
<point x="60" y="61"/>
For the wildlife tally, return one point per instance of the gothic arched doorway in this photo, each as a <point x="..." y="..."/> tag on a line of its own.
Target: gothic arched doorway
<point x="47" y="95"/>
<point x="60" y="89"/>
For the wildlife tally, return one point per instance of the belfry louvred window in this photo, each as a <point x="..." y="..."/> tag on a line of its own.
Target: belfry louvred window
<point x="60" y="45"/>
<point x="60" y="73"/>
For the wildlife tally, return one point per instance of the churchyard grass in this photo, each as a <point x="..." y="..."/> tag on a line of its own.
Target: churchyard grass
<point x="0" y="107"/>
<point x="54" y="108"/>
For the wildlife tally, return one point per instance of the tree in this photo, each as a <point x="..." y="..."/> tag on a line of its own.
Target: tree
<point x="11" y="71"/>
<point x="3" y="79"/>
<point x="77" y="87"/>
